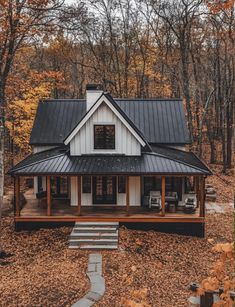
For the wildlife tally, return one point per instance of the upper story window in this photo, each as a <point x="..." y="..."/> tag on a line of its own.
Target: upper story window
<point x="104" y="137"/>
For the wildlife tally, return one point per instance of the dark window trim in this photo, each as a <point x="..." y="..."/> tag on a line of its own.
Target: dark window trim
<point x="104" y="145"/>
<point x="86" y="185"/>
<point x="121" y="184"/>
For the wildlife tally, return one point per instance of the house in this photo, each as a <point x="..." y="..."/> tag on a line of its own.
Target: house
<point x="106" y="159"/>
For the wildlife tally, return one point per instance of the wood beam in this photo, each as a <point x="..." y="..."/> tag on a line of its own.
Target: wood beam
<point x="196" y="190"/>
<point x="17" y="196"/>
<point x="202" y="197"/>
<point x="48" y="180"/>
<point x="127" y="196"/>
<point x="79" y="186"/>
<point x="163" y="195"/>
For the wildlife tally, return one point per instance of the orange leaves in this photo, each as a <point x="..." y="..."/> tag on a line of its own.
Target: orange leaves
<point x="216" y="6"/>
<point x="219" y="277"/>
<point x="25" y="88"/>
<point x="139" y="299"/>
<point x="223" y="248"/>
<point x="210" y="284"/>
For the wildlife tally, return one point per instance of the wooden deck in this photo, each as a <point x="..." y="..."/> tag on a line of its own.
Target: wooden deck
<point x="35" y="210"/>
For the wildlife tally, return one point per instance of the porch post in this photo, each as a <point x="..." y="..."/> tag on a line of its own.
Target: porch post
<point x="127" y="196"/>
<point x="79" y="194"/>
<point x="197" y="187"/>
<point x="48" y="179"/>
<point x="17" y="196"/>
<point x="163" y="194"/>
<point x="202" y="196"/>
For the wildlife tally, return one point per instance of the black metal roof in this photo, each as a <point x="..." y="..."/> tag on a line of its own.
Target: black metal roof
<point x="59" y="161"/>
<point x="160" y="121"/>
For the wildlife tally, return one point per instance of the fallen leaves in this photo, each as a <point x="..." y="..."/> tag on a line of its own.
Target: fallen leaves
<point x="43" y="272"/>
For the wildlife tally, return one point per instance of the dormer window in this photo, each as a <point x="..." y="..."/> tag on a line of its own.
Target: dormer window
<point x="104" y="136"/>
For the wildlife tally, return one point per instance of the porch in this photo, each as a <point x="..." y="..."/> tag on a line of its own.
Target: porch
<point x="36" y="210"/>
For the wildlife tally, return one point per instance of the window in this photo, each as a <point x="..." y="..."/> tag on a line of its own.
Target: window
<point x="151" y="184"/>
<point x="121" y="184"/>
<point x="86" y="184"/>
<point x="104" y="137"/>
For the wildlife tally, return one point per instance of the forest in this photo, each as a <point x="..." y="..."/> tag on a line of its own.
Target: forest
<point x="137" y="48"/>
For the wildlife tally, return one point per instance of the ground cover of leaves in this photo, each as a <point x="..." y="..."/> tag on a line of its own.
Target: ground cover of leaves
<point x="224" y="184"/>
<point x="42" y="271"/>
<point x="149" y="267"/>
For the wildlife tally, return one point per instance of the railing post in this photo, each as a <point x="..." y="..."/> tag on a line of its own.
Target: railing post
<point x="48" y="179"/>
<point x="127" y="196"/>
<point x="163" y="194"/>
<point x="202" y="197"/>
<point x="79" y="194"/>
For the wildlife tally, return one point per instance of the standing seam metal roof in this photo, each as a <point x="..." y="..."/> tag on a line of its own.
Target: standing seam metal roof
<point x="160" y="121"/>
<point x="59" y="161"/>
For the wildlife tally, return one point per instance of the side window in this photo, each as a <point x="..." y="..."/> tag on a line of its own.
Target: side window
<point x="121" y="184"/>
<point x="86" y="184"/>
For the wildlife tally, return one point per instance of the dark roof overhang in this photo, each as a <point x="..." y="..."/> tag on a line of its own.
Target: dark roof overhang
<point x="59" y="162"/>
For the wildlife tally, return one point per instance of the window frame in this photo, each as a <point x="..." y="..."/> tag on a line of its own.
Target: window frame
<point x="86" y="186"/>
<point x="122" y="184"/>
<point x="103" y="146"/>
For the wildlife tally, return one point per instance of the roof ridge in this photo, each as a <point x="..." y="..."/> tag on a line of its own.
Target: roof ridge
<point x="148" y="99"/>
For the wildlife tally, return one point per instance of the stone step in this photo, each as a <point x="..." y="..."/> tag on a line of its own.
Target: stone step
<point x="98" y="247"/>
<point x="93" y="241"/>
<point x="94" y="235"/>
<point x="101" y="224"/>
<point x="95" y="229"/>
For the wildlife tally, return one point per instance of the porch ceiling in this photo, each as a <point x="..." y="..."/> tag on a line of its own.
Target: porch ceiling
<point x="59" y="162"/>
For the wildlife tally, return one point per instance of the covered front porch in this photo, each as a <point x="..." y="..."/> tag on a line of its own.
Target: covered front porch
<point x="65" y="198"/>
<point x="163" y="185"/>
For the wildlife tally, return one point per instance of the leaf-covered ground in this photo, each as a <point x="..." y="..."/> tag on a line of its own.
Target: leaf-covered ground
<point x="149" y="266"/>
<point x="224" y="184"/>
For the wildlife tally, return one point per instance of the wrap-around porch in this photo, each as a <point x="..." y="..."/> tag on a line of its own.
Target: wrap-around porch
<point x="49" y="205"/>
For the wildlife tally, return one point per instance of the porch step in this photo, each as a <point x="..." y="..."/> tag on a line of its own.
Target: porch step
<point x="101" y="224"/>
<point x="95" y="229"/>
<point x="82" y="235"/>
<point x="94" y="235"/>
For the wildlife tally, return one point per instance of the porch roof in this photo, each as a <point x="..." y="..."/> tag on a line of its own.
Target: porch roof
<point x="161" y="161"/>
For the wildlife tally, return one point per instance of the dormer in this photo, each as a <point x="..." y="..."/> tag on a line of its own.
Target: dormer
<point x="105" y="129"/>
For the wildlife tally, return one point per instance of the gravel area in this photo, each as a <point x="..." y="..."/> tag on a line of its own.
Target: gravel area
<point x="149" y="267"/>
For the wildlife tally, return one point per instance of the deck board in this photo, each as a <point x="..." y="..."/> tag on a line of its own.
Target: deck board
<point x="35" y="210"/>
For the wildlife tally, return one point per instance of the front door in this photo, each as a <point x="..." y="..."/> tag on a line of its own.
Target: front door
<point x="104" y="190"/>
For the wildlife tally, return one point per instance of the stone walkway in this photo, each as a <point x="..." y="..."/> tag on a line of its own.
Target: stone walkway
<point x="97" y="289"/>
<point x="215" y="207"/>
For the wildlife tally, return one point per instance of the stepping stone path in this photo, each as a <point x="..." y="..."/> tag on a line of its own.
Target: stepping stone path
<point x="97" y="289"/>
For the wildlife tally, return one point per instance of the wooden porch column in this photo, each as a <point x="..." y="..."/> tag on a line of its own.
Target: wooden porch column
<point x="127" y="196"/>
<point x="48" y="179"/>
<point x="79" y="194"/>
<point x="202" y="196"/>
<point x="197" y="189"/>
<point x="163" y="194"/>
<point x="17" y="196"/>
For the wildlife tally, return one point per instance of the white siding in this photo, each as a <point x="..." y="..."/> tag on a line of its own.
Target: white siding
<point x="135" y="191"/>
<point x="125" y="142"/>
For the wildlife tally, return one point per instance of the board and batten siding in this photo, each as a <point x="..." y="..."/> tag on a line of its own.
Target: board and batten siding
<point x="86" y="198"/>
<point x="125" y="142"/>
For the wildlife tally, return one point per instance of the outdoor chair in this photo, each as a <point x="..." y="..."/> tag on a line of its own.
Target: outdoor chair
<point x="155" y="200"/>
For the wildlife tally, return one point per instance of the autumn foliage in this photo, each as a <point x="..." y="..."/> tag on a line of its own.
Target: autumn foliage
<point x="220" y="277"/>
